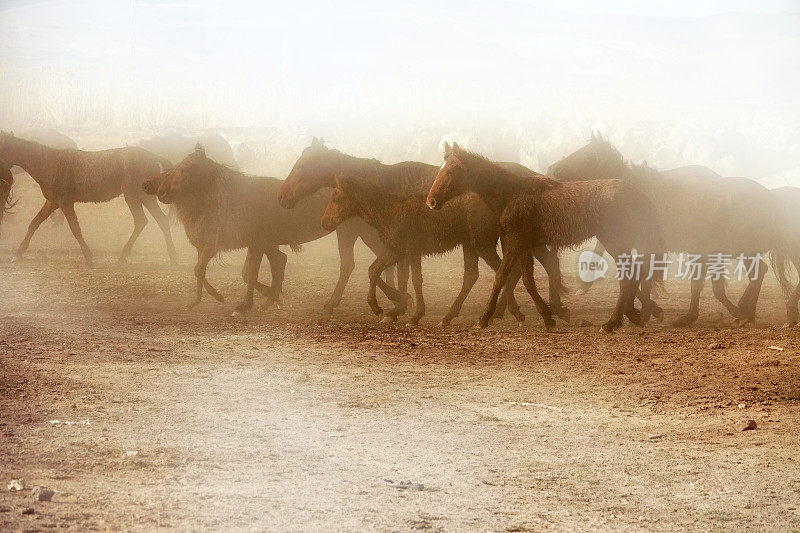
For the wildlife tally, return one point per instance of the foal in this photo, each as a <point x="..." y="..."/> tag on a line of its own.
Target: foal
<point x="67" y="177"/>
<point x="540" y="211"/>
<point x="409" y="231"/>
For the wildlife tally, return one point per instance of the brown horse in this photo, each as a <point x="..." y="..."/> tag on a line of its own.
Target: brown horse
<point x="539" y="211"/>
<point x="410" y="231"/>
<point x="699" y="212"/>
<point x="70" y="176"/>
<point x="6" y="184"/>
<point x="318" y="167"/>
<point x="223" y="209"/>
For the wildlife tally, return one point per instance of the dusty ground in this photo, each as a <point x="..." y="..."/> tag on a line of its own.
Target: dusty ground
<point x="287" y="421"/>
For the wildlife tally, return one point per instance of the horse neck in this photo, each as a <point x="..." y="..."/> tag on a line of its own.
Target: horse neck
<point x="496" y="186"/>
<point x="33" y="157"/>
<point x="363" y="169"/>
<point x="377" y="210"/>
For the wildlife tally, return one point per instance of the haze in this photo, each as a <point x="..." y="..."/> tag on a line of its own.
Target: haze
<point x="709" y="82"/>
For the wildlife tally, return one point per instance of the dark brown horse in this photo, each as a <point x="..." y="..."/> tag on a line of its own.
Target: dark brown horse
<point x="318" y="167"/>
<point x="6" y="184"/>
<point x="410" y="231"/>
<point x="539" y="211"/>
<point x="223" y="209"/>
<point x="699" y="213"/>
<point x="67" y="177"/>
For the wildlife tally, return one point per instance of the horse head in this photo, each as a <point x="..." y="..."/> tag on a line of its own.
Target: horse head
<point x="342" y="204"/>
<point x="191" y="178"/>
<point x="597" y="160"/>
<point x="449" y="179"/>
<point x="314" y="169"/>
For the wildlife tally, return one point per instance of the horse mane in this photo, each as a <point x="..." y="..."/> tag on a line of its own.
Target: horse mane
<point x="484" y="166"/>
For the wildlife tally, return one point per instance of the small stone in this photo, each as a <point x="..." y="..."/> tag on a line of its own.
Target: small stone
<point x="716" y="346"/>
<point x="27" y="510"/>
<point x="656" y="436"/>
<point x="749" y="425"/>
<point x="16" y="484"/>
<point x="132" y="453"/>
<point x="42" y="494"/>
<point x="742" y="405"/>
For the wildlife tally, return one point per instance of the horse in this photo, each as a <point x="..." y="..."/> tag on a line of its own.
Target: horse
<point x="410" y="231"/>
<point x="6" y="184"/>
<point x="223" y="209"/>
<point x="318" y="166"/>
<point x="700" y="213"/>
<point x="537" y="211"/>
<point x="69" y="176"/>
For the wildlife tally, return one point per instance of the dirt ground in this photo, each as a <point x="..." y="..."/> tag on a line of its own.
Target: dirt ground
<point x="287" y="420"/>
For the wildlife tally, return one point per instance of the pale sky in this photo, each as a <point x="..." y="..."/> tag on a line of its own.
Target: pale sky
<point x="217" y="64"/>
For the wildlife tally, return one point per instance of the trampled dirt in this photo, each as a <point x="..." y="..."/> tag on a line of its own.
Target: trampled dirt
<point x="287" y="420"/>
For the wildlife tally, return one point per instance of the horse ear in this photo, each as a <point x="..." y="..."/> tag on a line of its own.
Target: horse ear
<point x="447" y="149"/>
<point x="321" y="142"/>
<point x="456" y="147"/>
<point x="199" y="150"/>
<point x="592" y="138"/>
<point x="600" y="136"/>
<point x="316" y="142"/>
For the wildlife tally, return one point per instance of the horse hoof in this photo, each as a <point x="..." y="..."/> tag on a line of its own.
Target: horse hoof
<point x="683" y="322"/>
<point x="15" y="258"/>
<point x="789" y="325"/>
<point x="563" y="313"/>
<point x="657" y="313"/>
<point x="608" y="327"/>
<point x="388" y="319"/>
<point x="443" y="325"/>
<point x="741" y="322"/>
<point x="327" y="310"/>
<point x="238" y="312"/>
<point x="520" y="323"/>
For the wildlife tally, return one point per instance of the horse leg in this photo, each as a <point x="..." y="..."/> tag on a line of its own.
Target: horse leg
<point x="467" y="282"/>
<point x="203" y="258"/>
<point x="416" y="277"/>
<point x="381" y="263"/>
<point x="694" y="305"/>
<point x="793" y="299"/>
<point x="162" y="220"/>
<point x="72" y="221"/>
<point x="552" y="265"/>
<point x="625" y="298"/>
<point x="526" y="265"/>
<point x="510" y="257"/>
<point x="139" y="222"/>
<point x="600" y="250"/>
<point x="46" y="210"/>
<point x="507" y="300"/>
<point x="749" y="301"/>
<point x="374" y="243"/>
<point x="252" y="264"/>
<point x="346" y="239"/>
<point x="718" y="287"/>
<point x="277" y="267"/>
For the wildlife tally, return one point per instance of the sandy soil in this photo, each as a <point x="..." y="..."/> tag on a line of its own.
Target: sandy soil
<point x="286" y="420"/>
